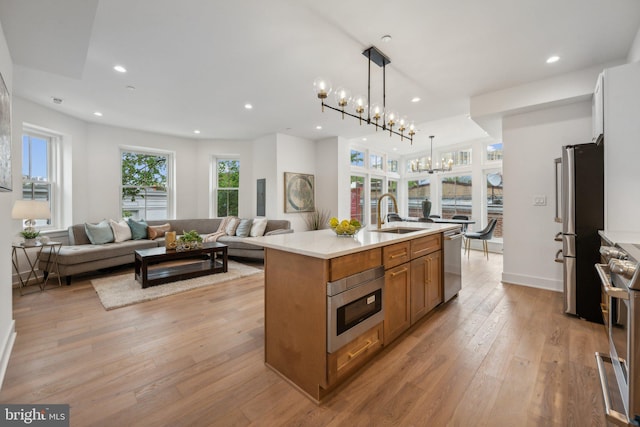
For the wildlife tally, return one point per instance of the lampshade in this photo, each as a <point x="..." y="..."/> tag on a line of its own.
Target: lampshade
<point x="30" y="209"/>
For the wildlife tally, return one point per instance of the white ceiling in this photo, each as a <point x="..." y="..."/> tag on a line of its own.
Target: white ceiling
<point x="195" y="63"/>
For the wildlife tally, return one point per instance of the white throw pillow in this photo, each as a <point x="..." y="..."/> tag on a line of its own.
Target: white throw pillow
<point x="258" y="227"/>
<point x="121" y="230"/>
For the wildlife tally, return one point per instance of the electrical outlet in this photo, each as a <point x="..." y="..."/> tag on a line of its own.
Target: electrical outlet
<point x="540" y="200"/>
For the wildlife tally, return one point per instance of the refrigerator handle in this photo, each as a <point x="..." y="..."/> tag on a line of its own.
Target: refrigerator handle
<point x="558" y="259"/>
<point x="558" y="237"/>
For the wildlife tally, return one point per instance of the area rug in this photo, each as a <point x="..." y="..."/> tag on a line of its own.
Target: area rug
<point x="124" y="290"/>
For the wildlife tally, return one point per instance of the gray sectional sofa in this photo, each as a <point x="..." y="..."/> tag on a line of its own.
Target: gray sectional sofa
<point x="80" y="256"/>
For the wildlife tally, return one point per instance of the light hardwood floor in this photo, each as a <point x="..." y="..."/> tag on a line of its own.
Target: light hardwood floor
<point x="497" y="355"/>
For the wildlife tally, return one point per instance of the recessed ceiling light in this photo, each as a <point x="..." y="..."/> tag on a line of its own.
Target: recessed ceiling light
<point x="197" y="131"/>
<point x="318" y="127"/>
<point x="386" y="38"/>
<point x="553" y="59"/>
<point x="97" y="113"/>
<point x="248" y="106"/>
<point x="415" y="99"/>
<point x="395" y="148"/>
<point x="364" y="139"/>
<point x="120" y="69"/>
<point x="129" y="87"/>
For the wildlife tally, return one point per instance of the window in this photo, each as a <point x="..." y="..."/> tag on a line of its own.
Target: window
<point x="357" y="198"/>
<point x="494" y="152"/>
<point x="376" y="192"/>
<point x="392" y="187"/>
<point x="392" y="166"/>
<point x="495" y="200"/>
<point x="418" y="191"/>
<point x="227" y="187"/>
<point x="357" y="158"/>
<point x="456" y="196"/>
<point x="376" y="162"/>
<point x="36" y="170"/>
<point x="144" y="185"/>
<point x="457" y="158"/>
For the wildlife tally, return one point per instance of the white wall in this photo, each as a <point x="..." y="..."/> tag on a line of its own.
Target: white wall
<point x="531" y="143"/>
<point x="7" y="324"/>
<point x="333" y="176"/>
<point x="293" y="155"/>
<point x="265" y="161"/>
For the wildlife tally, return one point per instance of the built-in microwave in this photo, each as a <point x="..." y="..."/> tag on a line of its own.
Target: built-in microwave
<point x="354" y="305"/>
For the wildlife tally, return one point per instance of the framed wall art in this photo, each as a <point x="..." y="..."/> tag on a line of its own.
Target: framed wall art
<point x="299" y="192"/>
<point x="5" y="137"/>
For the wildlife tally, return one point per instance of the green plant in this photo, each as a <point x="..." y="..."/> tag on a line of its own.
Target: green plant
<point x="318" y="219"/>
<point x="190" y="236"/>
<point x="29" y="234"/>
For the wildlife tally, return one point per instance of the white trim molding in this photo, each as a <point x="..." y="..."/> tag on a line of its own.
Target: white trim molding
<point x="5" y="353"/>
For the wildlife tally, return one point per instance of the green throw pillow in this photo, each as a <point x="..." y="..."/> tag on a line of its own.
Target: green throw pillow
<point x="100" y="233"/>
<point x="138" y="229"/>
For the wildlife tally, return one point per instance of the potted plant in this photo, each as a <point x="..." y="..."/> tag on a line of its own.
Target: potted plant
<point x="29" y="236"/>
<point x="189" y="240"/>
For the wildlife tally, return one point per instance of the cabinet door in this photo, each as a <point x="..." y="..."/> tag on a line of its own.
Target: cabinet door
<point x="396" y="301"/>
<point x="426" y="286"/>
<point x="434" y="284"/>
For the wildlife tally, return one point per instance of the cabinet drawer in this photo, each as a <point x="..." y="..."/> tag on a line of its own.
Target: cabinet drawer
<point x="354" y="354"/>
<point x="425" y="245"/>
<point x="396" y="254"/>
<point x="355" y="263"/>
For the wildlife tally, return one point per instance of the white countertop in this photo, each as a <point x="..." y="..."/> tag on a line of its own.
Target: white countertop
<point x="325" y="244"/>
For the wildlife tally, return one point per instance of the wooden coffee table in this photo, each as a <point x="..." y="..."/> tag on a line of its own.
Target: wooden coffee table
<point x="151" y="267"/>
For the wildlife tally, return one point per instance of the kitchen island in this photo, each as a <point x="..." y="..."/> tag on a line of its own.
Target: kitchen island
<point x="298" y="267"/>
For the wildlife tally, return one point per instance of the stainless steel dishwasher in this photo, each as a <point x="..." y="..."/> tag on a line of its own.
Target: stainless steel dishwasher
<point x="452" y="263"/>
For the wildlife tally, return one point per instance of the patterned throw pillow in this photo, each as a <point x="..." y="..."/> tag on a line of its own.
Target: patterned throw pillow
<point x="244" y="228"/>
<point x="231" y="226"/>
<point x="138" y="229"/>
<point x="100" y="233"/>
<point x="156" y="231"/>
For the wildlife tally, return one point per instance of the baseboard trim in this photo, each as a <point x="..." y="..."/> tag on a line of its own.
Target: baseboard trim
<point x="7" y="347"/>
<point x="532" y="282"/>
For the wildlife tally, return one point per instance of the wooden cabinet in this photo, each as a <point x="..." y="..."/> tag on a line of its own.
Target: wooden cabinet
<point x="353" y="355"/>
<point x="426" y="284"/>
<point x="355" y="263"/>
<point x="425" y="245"/>
<point x="396" y="254"/>
<point x="397" y="296"/>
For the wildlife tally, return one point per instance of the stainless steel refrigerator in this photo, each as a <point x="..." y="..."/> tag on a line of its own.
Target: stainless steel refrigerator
<point x="581" y="175"/>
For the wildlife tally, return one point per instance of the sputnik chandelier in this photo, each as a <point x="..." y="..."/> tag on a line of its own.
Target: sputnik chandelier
<point x="416" y="166"/>
<point x="375" y="114"/>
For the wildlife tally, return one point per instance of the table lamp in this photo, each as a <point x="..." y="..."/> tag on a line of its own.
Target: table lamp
<point x="30" y="210"/>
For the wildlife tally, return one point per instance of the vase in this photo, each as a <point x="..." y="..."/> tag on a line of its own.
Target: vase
<point x="29" y="242"/>
<point x="170" y="240"/>
<point x="426" y="208"/>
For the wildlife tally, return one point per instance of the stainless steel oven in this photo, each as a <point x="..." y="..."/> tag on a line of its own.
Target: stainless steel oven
<point x="621" y="286"/>
<point x="354" y="305"/>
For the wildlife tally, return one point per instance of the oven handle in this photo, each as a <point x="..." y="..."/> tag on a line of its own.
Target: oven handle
<point x="612" y="415"/>
<point x="612" y="291"/>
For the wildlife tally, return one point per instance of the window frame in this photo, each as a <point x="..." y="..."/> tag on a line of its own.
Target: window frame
<point x="216" y="187"/>
<point x="169" y="188"/>
<point x="53" y="141"/>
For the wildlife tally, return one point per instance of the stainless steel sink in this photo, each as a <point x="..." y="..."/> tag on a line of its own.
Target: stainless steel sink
<point x="397" y="230"/>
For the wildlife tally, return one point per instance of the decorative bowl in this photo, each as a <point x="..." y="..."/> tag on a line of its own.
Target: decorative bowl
<point x="345" y="228"/>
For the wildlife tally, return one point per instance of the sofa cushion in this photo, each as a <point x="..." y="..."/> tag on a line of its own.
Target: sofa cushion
<point x="155" y="231"/>
<point x="87" y="253"/>
<point x="121" y="230"/>
<point x="235" y="242"/>
<point x="230" y="229"/>
<point x="138" y="229"/>
<point x="244" y="227"/>
<point x="258" y="227"/>
<point x="99" y="233"/>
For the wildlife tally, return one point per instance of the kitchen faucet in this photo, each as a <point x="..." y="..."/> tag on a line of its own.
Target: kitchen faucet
<point x="395" y="204"/>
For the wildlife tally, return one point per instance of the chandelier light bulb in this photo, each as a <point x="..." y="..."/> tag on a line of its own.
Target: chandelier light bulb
<point x="322" y="87"/>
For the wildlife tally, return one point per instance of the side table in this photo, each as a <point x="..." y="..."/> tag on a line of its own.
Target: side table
<point x="50" y="255"/>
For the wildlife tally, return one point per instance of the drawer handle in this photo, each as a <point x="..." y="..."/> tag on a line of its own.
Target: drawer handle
<point x="422" y="250"/>
<point x="363" y="349"/>
<point x="395" y="273"/>
<point x="398" y="255"/>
